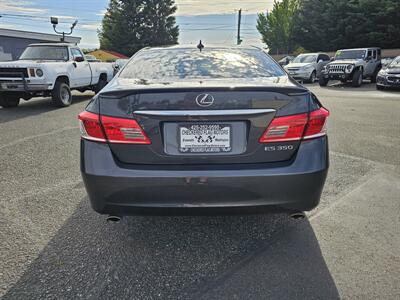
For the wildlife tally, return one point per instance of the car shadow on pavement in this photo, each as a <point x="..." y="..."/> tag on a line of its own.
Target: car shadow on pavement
<point x="35" y="107"/>
<point x="179" y="257"/>
<point x="366" y="87"/>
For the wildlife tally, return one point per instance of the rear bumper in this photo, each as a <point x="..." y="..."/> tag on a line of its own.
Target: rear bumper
<point x="294" y="185"/>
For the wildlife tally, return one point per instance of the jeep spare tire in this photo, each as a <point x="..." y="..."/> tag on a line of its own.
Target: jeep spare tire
<point x="61" y="94"/>
<point x="357" y="78"/>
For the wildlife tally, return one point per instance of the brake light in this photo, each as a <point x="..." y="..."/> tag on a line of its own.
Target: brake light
<point x="89" y="125"/>
<point x="284" y="129"/>
<point x="116" y="130"/>
<point x="296" y="127"/>
<point x="317" y="123"/>
<point x="124" y="131"/>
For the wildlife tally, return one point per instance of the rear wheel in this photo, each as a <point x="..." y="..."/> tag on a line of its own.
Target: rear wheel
<point x="61" y="94"/>
<point x="322" y="81"/>
<point x="357" y="78"/>
<point x="9" y="101"/>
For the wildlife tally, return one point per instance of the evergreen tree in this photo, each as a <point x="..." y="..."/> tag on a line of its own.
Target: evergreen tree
<point x="130" y="25"/>
<point x="333" y="24"/>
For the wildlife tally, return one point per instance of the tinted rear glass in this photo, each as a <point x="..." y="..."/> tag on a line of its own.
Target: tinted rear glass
<point x="165" y="64"/>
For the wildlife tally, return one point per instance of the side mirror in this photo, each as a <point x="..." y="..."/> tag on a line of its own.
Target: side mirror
<point x="79" y="59"/>
<point x="332" y="58"/>
<point x="320" y="61"/>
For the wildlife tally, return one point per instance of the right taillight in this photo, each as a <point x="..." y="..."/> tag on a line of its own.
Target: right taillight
<point x="114" y="130"/>
<point x="316" y="125"/>
<point x="296" y="127"/>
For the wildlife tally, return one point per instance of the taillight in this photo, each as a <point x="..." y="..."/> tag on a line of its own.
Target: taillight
<point x="116" y="130"/>
<point x="89" y="125"/>
<point x="124" y="131"/>
<point x="316" y="125"/>
<point x="296" y="127"/>
<point x="284" y="129"/>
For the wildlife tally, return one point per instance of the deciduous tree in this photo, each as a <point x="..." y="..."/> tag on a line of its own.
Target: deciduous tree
<point x="276" y="27"/>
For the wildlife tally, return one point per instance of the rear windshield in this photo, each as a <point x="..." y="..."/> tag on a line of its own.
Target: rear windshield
<point x="305" y="58"/>
<point x="45" y="53"/>
<point x="165" y="64"/>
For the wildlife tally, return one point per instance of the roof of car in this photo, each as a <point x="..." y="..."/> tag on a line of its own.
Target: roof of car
<point x="360" y="48"/>
<point x="313" y="53"/>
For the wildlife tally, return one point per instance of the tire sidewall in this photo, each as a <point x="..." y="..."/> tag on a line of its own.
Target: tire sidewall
<point x="9" y="102"/>
<point x="357" y="78"/>
<point x="322" y="81"/>
<point x="313" y="77"/>
<point x="61" y="89"/>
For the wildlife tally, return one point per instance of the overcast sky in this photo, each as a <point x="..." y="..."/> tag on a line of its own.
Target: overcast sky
<point x="213" y="21"/>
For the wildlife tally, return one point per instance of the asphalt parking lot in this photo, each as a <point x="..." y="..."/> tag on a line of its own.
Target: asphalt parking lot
<point x="54" y="246"/>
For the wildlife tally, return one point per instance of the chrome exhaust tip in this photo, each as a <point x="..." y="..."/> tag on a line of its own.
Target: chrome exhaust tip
<point x="297" y="215"/>
<point x="113" y="219"/>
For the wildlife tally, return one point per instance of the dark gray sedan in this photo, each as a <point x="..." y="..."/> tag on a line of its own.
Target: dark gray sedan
<point x="183" y="129"/>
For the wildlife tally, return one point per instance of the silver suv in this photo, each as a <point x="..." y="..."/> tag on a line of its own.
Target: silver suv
<point x="354" y="65"/>
<point x="307" y="67"/>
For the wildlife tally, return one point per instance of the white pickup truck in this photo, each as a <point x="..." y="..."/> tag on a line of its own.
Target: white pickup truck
<point x="50" y="70"/>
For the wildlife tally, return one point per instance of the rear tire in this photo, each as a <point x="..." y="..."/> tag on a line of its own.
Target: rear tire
<point x="9" y="102"/>
<point x="322" y="81"/>
<point x="357" y="78"/>
<point x="61" y="94"/>
<point x="100" y="85"/>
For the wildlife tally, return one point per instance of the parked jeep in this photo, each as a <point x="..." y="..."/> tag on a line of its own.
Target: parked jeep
<point x="353" y="65"/>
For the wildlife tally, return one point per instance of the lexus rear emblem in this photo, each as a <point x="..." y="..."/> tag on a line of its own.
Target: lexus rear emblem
<point x="204" y="100"/>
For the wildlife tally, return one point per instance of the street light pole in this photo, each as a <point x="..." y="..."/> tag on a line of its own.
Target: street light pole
<point x="54" y="21"/>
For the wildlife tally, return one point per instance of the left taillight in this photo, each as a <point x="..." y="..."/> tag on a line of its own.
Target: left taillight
<point x="114" y="130"/>
<point x="90" y="127"/>
<point x="124" y="131"/>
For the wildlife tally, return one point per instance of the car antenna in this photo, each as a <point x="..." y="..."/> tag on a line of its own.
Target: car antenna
<point x="200" y="46"/>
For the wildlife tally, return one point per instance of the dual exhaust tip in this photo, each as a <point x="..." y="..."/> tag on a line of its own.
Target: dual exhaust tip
<point x="113" y="219"/>
<point x="299" y="215"/>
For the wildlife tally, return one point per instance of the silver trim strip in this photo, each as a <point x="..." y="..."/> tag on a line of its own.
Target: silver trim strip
<point x="201" y="113"/>
<point x="314" y="136"/>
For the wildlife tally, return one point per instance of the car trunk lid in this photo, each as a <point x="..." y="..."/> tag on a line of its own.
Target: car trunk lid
<point x="235" y="120"/>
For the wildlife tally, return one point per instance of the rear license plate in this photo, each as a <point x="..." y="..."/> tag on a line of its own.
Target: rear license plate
<point x="205" y="138"/>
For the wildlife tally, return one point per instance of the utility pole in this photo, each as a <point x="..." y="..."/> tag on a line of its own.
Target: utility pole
<point x="239" y="40"/>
